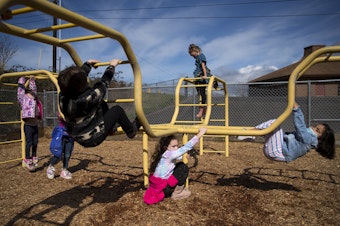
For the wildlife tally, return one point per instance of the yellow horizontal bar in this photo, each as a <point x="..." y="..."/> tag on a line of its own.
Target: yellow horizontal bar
<point x="51" y="28"/>
<point x="188" y="122"/>
<point x="12" y="160"/>
<point x="217" y="120"/>
<point x="41" y="76"/>
<point x="11" y="141"/>
<point x="191" y="105"/>
<point x="164" y="132"/>
<point x="212" y="130"/>
<point x="22" y="10"/>
<point x="107" y="63"/>
<point x="83" y="38"/>
<point x="214" y="135"/>
<point x="213" y="151"/>
<point x="121" y="101"/>
<point x="191" y="79"/>
<point x="9" y="84"/>
<point x="194" y="86"/>
<point x="218" y="104"/>
<point x="10" y="122"/>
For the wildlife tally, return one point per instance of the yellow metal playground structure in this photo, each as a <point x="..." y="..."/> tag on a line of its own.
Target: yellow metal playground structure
<point x="73" y="20"/>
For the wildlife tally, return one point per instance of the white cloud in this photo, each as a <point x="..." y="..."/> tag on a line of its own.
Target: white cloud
<point x="243" y="74"/>
<point x="253" y="71"/>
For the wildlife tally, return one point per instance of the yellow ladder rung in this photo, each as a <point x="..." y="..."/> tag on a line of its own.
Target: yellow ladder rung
<point x="212" y="151"/>
<point x="217" y="120"/>
<point x="187" y="122"/>
<point x="191" y="105"/>
<point x="121" y="101"/>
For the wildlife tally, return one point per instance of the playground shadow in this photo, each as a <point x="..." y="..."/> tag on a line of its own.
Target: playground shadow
<point x="251" y="181"/>
<point x="254" y="178"/>
<point x="257" y="178"/>
<point x="61" y="208"/>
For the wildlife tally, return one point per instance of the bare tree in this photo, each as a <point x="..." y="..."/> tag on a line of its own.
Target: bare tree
<point x="7" y="51"/>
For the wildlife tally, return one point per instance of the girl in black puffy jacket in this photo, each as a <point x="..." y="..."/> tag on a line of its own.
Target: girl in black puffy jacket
<point x="87" y="116"/>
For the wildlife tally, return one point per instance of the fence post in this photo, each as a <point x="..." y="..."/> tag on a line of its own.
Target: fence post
<point x="309" y="103"/>
<point x="44" y="108"/>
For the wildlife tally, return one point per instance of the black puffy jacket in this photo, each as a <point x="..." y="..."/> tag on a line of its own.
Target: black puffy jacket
<point x="84" y="119"/>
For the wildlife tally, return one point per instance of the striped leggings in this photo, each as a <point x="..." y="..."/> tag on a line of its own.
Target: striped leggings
<point x="273" y="142"/>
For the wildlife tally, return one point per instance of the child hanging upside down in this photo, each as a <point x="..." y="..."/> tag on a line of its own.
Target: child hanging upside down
<point x="290" y="146"/>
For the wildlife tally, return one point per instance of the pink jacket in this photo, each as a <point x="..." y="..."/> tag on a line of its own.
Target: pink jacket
<point x="154" y="193"/>
<point x="30" y="107"/>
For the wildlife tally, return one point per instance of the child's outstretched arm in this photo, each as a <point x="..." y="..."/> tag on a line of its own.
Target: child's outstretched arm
<point x="110" y="71"/>
<point x="21" y="89"/>
<point x="201" y="132"/>
<point x="32" y="85"/>
<point x="189" y="145"/>
<point x="88" y="65"/>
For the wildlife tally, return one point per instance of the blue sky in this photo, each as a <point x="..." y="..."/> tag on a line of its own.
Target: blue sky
<point x="242" y="39"/>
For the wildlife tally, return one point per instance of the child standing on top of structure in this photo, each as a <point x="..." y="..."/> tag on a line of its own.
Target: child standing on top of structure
<point x="31" y="113"/>
<point x="201" y="71"/>
<point x="167" y="176"/>
<point x="290" y="146"/>
<point x="66" y="144"/>
<point x="87" y="116"/>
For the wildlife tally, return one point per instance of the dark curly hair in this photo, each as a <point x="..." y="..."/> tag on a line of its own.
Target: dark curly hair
<point x="72" y="81"/>
<point x="161" y="147"/>
<point x="326" y="143"/>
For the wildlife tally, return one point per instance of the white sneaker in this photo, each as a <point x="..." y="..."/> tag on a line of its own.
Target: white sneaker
<point x="246" y="138"/>
<point x="28" y="164"/>
<point x="50" y="172"/>
<point x="35" y="161"/>
<point x="66" y="174"/>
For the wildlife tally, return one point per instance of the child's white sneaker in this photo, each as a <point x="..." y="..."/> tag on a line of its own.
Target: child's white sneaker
<point x="50" y="172"/>
<point x="35" y="161"/>
<point x="66" y="174"/>
<point x="28" y="164"/>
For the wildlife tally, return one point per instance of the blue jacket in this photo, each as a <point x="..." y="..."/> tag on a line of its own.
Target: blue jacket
<point x="298" y="143"/>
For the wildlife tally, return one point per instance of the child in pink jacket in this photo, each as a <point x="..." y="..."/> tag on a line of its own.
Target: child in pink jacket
<point x="31" y="113"/>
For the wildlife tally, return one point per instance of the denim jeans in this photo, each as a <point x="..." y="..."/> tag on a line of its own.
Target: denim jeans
<point x="31" y="135"/>
<point x="68" y="144"/>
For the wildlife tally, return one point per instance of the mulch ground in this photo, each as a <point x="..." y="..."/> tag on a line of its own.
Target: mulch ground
<point x="107" y="188"/>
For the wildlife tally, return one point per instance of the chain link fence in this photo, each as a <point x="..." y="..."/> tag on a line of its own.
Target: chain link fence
<point x="249" y="104"/>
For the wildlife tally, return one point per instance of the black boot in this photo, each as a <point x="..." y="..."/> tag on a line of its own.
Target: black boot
<point x="135" y="125"/>
<point x="114" y="129"/>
